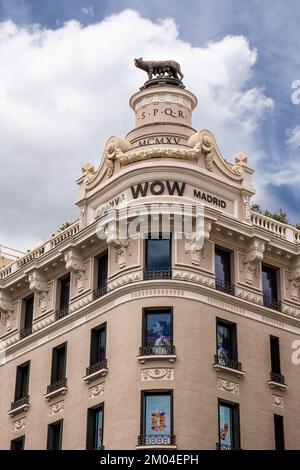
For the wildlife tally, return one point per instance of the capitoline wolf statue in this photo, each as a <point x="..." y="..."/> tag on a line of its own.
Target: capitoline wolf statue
<point x="160" y="68"/>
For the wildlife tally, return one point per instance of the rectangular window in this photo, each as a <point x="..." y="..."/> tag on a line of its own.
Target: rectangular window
<point x="64" y="292"/>
<point x="27" y="317"/>
<point x="98" y="345"/>
<point x="58" y="369"/>
<point x="102" y="270"/>
<point x="275" y="354"/>
<point x="18" y="444"/>
<point x="95" y="423"/>
<point x="279" y="432"/>
<point x="158" y="261"/>
<point x="157" y="418"/>
<point x="229" y="426"/>
<point x="223" y="270"/>
<point x="54" y="440"/>
<point x="158" y="331"/>
<point x="227" y="354"/>
<point x="22" y="381"/>
<point x="269" y="287"/>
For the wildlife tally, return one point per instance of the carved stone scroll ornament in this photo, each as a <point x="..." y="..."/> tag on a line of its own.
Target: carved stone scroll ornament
<point x="250" y="262"/>
<point x="204" y="141"/>
<point x="38" y="284"/>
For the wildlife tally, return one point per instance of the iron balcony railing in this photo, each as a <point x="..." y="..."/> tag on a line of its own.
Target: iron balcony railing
<point x="57" y="385"/>
<point x="100" y="291"/>
<point x="272" y="303"/>
<point x="157" y="350"/>
<point x="27" y="331"/>
<point x="224" y="286"/>
<point x="62" y="312"/>
<point x="20" y="402"/>
<point x="156" y="439"/>
<point x="221" y="446"/>
<point x="96" y="367"/>
<point x="277" y="377"/>
<point x="157" y="273"/>
<point x="230" y="363"/>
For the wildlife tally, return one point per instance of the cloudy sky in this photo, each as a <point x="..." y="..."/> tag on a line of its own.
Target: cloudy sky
<point x="66" y="74"/>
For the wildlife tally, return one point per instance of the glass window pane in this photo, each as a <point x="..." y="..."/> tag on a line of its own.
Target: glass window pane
<point x="269" y="282"/>
<point x="226" y="427"/>
<point x="158" y="254"/>
<point x="158" y="330"/>
<point x="101" y="338"/>
<point x="222" y="265"/>
<point x="158" y="414"/>
<point x="223" y="343"/>
<point x="98" y="428"/>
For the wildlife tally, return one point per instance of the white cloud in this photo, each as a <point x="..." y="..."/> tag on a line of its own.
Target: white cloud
<point x="88" y="11"/>
<point x="63" y="92"/>
<point x="293" y="141"/>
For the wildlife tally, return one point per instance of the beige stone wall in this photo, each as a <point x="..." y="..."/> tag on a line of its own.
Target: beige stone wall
<point x="194" y="384"/>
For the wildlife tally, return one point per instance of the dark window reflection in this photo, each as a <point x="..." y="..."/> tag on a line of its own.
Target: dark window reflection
<point x="158" y="254"/>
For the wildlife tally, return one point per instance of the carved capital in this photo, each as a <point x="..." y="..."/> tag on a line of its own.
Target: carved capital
<point x="74" y="262"/>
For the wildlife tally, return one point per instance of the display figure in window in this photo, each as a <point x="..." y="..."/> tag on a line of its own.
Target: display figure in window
<point x="161" y="340"/>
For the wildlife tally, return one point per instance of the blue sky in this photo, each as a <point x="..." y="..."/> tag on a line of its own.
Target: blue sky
<point x="271" y="29"/>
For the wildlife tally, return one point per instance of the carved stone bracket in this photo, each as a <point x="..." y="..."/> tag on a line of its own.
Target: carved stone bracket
<point x="250" y="262"/>
<point x="6" y="303"/>
<point x="38" y="284"/>
<point x="121" y="247"/>
<point x="76" y="265"/>
<point x="194" y="243"/>
<point x="7" y="308"/>
<point x="293" y="279"/>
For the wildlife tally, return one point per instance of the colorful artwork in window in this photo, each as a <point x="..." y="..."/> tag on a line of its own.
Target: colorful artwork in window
<point x="158" y="414"/>
<point x="225" y="418"/>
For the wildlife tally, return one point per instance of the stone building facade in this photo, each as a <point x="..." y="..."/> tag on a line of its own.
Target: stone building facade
<point x="137" y="341"/>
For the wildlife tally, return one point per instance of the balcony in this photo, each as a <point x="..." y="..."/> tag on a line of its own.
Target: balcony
<point x="274" y="304"/>
<point x="157" y="273"/>
<point x="100" y="291"/>
<point x="277" y="381"/>
<point x="17" y="406"/>
<point x="27" y="331"/>
<point x="147" y="353"/>
<point x="96" y="370"/>
<point x="228" y="365"/>
<point x="220" y="446"/>
<point x="157" y="441"/>
<point x="57" y="388"/>
<point x="61" y="312"/>
<point x="224" y="286"/>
